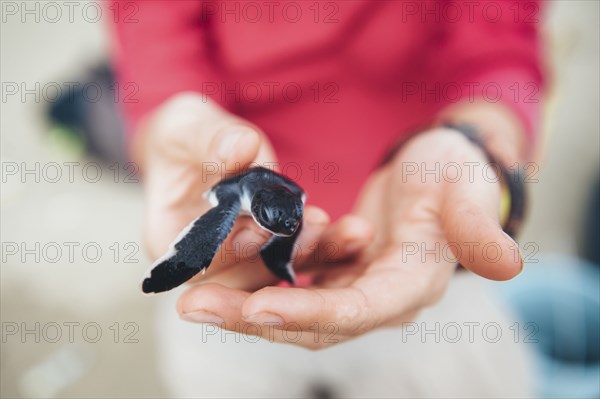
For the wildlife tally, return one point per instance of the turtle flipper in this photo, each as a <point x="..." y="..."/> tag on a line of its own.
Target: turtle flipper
<point x="195" y="247"/>
<point x="277" y="255"/>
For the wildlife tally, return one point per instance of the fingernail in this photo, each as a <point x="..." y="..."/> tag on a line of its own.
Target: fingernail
<point x="266" y="318"/>
<point x="509" y="237"/>
<point x="229" y="141"/>
<point x="522" y="262"/>
<point x="202" y="316"/>
<point x="518" y="251"/>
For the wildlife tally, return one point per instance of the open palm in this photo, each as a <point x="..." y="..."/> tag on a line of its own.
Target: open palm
<point x="418" y="227"/>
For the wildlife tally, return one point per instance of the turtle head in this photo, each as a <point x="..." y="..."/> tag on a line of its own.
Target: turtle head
<point x="277" y="210"/>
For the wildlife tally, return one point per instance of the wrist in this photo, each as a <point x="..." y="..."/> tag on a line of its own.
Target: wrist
<point x="502" y="132"/>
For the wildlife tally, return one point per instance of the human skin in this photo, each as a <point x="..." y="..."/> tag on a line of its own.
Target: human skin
<point x="370" y="280"/>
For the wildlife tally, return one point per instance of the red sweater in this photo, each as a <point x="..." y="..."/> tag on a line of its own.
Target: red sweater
<point x="333" y="84"/>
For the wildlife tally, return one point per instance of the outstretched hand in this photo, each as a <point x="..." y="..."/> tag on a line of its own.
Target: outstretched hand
<point x="188" y="145"/>
<point x="417" y="226"/>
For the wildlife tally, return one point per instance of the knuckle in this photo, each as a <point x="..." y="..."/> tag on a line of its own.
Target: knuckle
<point x="181" y="115"/>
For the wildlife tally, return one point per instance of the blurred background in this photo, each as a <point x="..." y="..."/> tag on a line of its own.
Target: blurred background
<point x="73" y="321"/>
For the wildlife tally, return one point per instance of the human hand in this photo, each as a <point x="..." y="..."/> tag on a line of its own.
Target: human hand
<point x="394" y="277"/>
<point x="185" y="148"/>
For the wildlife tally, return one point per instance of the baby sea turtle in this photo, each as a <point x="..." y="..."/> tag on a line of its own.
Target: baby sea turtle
<point x="275" y="203"/>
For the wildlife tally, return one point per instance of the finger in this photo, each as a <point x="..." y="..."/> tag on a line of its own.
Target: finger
<point x="470" y="218"/>
<point x="339" y="274"/>
<point x="392" y="286"/>
<point x="232" y="149"/>
<point x="348" y="309"/>
<point x="211" y="303"/>
<point x="197" y="132"/>
<point x="402" y="320"/>
<point x="216" y="304"/>
<point x="343" y="308"/>
<point x="252" y="273"/>
<point x="343" y="239"/>
<point x="315" y="221"/>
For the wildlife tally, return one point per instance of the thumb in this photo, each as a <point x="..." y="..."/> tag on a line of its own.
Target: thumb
<point x="193" y="131"/>
<point x="232" y="148"/>
<point x="221" y="149"/>
<point x="470" y="216"/>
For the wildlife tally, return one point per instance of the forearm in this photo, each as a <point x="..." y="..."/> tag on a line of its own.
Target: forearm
<point x="503" y="63"/>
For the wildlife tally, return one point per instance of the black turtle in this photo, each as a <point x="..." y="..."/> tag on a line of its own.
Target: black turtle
<point x="275" y="203"/>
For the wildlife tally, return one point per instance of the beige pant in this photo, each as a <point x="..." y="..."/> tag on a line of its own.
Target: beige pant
<point x="463" y="347"/>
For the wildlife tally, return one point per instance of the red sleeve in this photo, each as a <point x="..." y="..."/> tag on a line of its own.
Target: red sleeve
<point x="495" y="48"/>
<point x="161" y="49"/>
